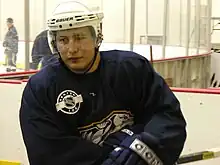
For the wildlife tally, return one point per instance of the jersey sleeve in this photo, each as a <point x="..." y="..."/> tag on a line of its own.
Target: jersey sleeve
<point x="46" y="138"/>
<point x="37" y="51"/>
<point x="160" y="113"/>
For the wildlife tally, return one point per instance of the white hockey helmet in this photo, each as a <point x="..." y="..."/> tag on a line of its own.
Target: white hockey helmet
<point x="73" y="14"/>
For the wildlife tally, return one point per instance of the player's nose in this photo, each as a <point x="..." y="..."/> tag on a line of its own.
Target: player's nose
<point x="73" y="46"/>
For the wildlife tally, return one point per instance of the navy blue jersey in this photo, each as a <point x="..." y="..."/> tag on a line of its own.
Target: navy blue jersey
<point x="41" y="52"/>
<point x="65" y="117"/>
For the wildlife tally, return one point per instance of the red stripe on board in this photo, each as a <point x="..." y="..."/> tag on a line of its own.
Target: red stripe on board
<point x="5" y="81"/>
<point x="195" y="90"/>
<point x="182" y="90"/>
<point x="212" y="88"/>
<point x="23" y="73"/>
<point x="25" y="80"/>
<point x="183" y="57"/>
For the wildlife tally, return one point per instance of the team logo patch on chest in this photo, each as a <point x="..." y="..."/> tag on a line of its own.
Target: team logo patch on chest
<point x="97" y="132"/>
<point x="68" y="102"/>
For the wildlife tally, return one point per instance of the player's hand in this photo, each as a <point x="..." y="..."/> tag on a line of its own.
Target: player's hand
<point x="124" y="156"/>
<point x="133" y="151"/>
<point x="116" y="138"/>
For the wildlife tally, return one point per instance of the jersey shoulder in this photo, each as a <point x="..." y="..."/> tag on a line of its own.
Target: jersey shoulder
<point x="45" y="77"/>
<point x="121" y="55"/>
<point x="41" y="38"/>
<point x="124" y="58"/>
<point x="41" y="45"/>
<point x="41" y="35"/>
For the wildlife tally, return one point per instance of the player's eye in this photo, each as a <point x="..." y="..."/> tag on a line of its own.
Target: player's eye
<point x="64" y="40"/>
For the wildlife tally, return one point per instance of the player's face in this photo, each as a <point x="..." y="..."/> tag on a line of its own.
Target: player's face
<point x="9" y="25"/>
<point x="76" y="47"/>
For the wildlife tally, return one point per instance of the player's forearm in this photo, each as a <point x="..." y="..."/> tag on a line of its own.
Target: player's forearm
<point x="158" y="143"/>
<point x="167" y="135"/>
<point x="163" y="132"/>
<point x="44" y="150"/>
<point x="78" y="155"/>
<point x="47" y="140"/>
<point x="47" y="145"/>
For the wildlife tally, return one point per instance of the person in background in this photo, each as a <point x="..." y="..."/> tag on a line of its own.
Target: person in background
<point x="42" y="53"/>
<point x="10" y="44"/>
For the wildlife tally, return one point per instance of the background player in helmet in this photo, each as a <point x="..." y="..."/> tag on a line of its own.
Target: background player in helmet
<point x="42" y="53"/>
<point x="122" y="111"/>
<point x="10" y="44"/>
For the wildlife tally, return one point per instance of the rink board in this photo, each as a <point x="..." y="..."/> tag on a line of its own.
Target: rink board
<point x="200" y="108"/>
<point x="191" y="71"/>
<point x="144" y="50"/>
<point x="215" y="68"/>
<point x="184" y="72"/>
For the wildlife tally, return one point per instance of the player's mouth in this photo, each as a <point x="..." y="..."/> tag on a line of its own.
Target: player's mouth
<point x="75" y="59"/>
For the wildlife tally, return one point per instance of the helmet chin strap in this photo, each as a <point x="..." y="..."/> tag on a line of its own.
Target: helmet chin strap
<point x="92" y="61"/>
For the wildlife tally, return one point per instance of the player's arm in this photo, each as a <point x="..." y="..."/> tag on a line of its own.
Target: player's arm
<point x="13" y="33"/>
<point x="48" y="140"/>
<point x="158" y="111"/>
<point x="5" y="42"/>
<point x="37" y="52"/>
<point x="165" y="130"/>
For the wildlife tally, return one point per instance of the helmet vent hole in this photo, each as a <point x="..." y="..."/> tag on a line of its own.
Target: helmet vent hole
<point x="70" y="24"/>
<point x="60" y="26"/>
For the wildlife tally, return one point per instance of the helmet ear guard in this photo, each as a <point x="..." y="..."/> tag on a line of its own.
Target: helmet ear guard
<point x="51" y="36"/>
<point x="99" y="37"/>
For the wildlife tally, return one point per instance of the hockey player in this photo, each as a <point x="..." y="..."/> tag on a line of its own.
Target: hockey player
<point x="10" y="44"/>
<point x="98" y="108"/>
<point x="41" y="52"/>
